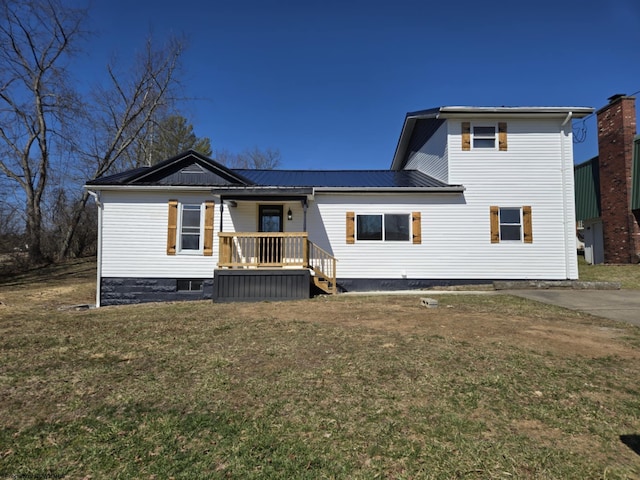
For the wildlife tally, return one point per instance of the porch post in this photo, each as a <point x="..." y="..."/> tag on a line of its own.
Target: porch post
<point x="221" y="212"/>
<point x="304" y="215"/>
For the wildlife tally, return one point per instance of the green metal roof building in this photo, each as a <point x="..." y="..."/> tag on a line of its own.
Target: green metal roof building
<point x="587" y="190"/>
<point x="587" y="185"/>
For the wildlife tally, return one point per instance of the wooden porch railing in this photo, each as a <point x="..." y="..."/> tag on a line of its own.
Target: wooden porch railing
<point x="277" y="250"/>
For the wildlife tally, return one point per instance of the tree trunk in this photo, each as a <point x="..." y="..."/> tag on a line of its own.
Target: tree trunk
<point x="34" y="231"/>
<point x="78" y="210"/>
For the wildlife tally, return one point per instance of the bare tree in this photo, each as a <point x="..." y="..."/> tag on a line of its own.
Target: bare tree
<point x="36" y="39"/>
<point x="48" y="133"/>
<point x="254" y="158"/>
<point x="120" y="114"/>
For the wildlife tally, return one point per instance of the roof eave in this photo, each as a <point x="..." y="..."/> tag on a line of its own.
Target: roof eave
<point x="466" y="111"/>
<point x="445" y="189"/>
<point x="127" y="187"/>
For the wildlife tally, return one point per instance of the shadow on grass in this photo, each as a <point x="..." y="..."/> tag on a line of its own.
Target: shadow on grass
<point x="631" y="441"/>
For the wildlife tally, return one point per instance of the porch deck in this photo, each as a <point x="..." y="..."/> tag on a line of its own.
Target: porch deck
<point x="251" y="250"/>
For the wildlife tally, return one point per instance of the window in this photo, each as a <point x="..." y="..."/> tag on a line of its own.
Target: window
<point x="396" y="227"/>
<point x="383" y="227"/>
<point x="511" y="224"/>
<point x="190" y="228"/>
<point x="369" y="227"/>
<point x="484" y="137"/>
<point x="189" y="284"/>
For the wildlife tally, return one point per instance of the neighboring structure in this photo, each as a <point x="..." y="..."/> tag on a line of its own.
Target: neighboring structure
<point x="608" y="187"/>
<point x="474" y="194"/>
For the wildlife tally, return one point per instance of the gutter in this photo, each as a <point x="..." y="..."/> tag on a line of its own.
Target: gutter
<point x="447" y="189"/>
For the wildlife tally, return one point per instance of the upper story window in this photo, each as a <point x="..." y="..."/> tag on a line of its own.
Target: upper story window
<point x="484" y="136"/>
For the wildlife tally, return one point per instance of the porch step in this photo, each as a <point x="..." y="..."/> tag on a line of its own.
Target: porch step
<point x="323" y="284"/>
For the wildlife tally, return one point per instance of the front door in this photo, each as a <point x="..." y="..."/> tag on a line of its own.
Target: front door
<point x="270" y="220"/>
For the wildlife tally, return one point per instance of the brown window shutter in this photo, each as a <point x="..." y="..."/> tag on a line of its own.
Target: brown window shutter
<point x="526" y="224"/>
<point x="172" y="229"/>
<point x="466" y="135"/>
<point x="351" y="227"/>
<point x="417" y="227"/>
<point x="208" y="227"/>
<point x="495" y="224"/>
<point x="502" y="136"/>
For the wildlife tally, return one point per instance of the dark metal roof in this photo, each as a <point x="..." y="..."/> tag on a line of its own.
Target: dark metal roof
<point x="117" y="178"/>
<point x="192" y="169"/>
<point x="186" y="169"/>
<point x="342" y="178"/>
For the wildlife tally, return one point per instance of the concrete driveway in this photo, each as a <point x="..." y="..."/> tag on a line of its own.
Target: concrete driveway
<point x="622" y="305"/>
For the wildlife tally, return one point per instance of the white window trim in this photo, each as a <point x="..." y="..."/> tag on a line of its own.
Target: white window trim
<point x="179" y="248"/>
<point x="384" y="240"/>
<point x="520" y="224"/>
<point x="495" y="136"/>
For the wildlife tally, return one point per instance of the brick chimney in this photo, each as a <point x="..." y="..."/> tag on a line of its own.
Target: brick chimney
<point x="616" y="131"/>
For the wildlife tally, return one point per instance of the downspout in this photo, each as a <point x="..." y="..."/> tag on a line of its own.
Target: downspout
<point x="96" y="197"/>
<point x="565" y="204"/>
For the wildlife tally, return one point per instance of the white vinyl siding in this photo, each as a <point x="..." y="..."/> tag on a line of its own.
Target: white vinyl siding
<point x="432" y="156"/>
<point x="529" y="173"/>
<point x="128" y="253"/>
<point x="536" y="171"/>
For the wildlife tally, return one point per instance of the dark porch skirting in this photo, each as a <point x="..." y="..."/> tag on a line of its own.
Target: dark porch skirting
<point x="252" y="285"/>
<point x="125" y="291"/>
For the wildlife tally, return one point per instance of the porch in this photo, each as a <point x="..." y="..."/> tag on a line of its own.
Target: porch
<point x="278" y="251"/>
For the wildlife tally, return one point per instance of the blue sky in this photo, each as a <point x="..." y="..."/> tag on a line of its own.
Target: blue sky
<point x="329" y="83"/>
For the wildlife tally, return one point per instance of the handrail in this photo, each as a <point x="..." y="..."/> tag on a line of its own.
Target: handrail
<point x="275" y="249"/>
<point x="323" y="264"/>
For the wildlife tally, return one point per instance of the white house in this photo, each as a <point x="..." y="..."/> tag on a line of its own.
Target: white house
<point x="473" y="194"/>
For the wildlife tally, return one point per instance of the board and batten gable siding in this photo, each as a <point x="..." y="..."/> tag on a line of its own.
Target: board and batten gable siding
<point x="134" y="238"/>
<point x="536" y="170"/>
<point x="431" y="157"/>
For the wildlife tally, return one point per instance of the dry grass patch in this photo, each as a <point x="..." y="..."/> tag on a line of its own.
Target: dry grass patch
<point x="344" y="387"/>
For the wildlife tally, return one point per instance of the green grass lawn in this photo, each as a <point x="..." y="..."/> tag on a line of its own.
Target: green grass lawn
<point x="483" y="387"/>
<point x="627" y="275"/>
